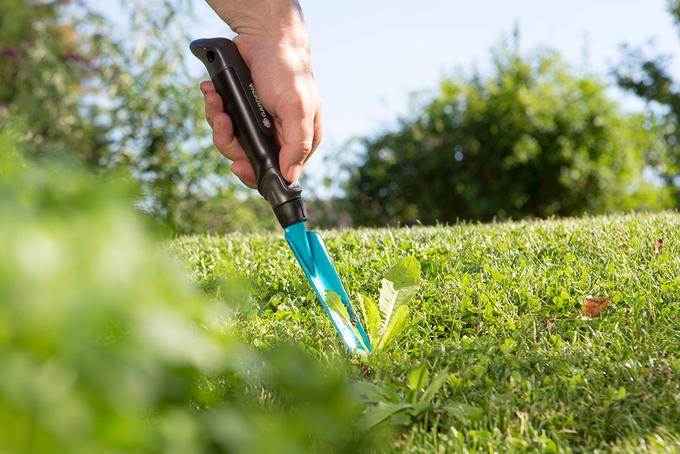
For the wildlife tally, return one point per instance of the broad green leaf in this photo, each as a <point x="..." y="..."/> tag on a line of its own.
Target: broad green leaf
<point x="398" y="287"/>
<point x="391" y="298"/>
<point x="402" y="418"/>
<point x="377" y="414"/>
<point x="370" y="392"/>
<point x="435" y="385"/>
<point x="404" y="273"/>
<point x="396" y="326"/>
<point x="372" y="319"/>
<point x="417" y="378"/>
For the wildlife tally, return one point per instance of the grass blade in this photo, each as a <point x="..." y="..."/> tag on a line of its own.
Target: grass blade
<point x="435" y="385"/>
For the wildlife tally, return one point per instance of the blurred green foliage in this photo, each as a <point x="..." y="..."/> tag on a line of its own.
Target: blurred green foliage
<point x="650" y="78"/>
<point x="530" y="139"/>
<point x="117" y="95"/>
<point x="106" y="347"/>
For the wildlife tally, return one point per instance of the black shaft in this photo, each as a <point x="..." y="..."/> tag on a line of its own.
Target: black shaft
<point x="253" y="125"/>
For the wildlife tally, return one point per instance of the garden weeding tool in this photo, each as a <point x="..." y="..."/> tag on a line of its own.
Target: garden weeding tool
<point x="254" y="129"/>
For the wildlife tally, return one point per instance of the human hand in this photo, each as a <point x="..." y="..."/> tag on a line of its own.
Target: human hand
<point x="273" y="43"/>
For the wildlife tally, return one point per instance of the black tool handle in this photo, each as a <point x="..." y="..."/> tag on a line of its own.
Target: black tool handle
<point x="253" y="125"/>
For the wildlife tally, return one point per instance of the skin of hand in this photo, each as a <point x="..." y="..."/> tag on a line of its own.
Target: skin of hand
<point x="272" y="39"/>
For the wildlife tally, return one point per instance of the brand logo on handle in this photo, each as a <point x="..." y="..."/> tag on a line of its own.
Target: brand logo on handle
<point x="263" y="113"/>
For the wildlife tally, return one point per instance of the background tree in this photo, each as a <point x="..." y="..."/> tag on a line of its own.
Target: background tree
<point x="118" y="95"/>
<point x="531" y="139"/>
<point x="45" y="68"/>
<point x="649" y="78"/>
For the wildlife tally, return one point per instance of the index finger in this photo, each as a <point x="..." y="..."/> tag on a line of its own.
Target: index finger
<point x="297" y="136"/>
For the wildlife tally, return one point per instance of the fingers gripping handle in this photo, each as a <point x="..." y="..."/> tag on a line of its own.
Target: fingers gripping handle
<point x="253" y="126"/>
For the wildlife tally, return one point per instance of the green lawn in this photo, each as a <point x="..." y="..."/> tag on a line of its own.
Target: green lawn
<point x="499" y="307"/>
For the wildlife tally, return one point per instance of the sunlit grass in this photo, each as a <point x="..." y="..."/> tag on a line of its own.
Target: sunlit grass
<point x="500" y="307"/>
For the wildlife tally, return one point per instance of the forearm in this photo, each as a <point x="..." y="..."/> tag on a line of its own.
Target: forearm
<point x="276" y="20"/>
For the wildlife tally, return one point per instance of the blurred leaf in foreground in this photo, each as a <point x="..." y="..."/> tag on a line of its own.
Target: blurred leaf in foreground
<point x="105" y="347"/>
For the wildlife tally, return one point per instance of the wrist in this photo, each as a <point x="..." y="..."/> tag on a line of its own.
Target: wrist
<point x="270" y="21"/>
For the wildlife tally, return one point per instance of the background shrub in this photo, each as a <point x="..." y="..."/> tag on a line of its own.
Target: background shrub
<point x="529" y="139"/>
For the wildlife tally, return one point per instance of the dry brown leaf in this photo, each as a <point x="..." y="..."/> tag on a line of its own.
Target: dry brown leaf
<point x="658" y="245"/>
<point x="595" y="305"/>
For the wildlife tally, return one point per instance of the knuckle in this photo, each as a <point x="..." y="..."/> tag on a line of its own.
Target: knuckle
<point x="211" y="100"/>
<point x="302" y="105"/>
<point x="307" y="147"/>
<point x="220" y="140"/>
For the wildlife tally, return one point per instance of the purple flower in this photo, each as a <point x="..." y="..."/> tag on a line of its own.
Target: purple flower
<point x="74" y="58"/>
<point x="79" y="60"/>
<point x="10" y="52"/>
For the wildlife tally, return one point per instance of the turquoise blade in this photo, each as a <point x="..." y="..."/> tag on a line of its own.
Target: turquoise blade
<point x="311" y="253"/>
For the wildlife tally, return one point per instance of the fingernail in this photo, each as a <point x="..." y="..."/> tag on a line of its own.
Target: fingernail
<point x="294" y="172"/>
